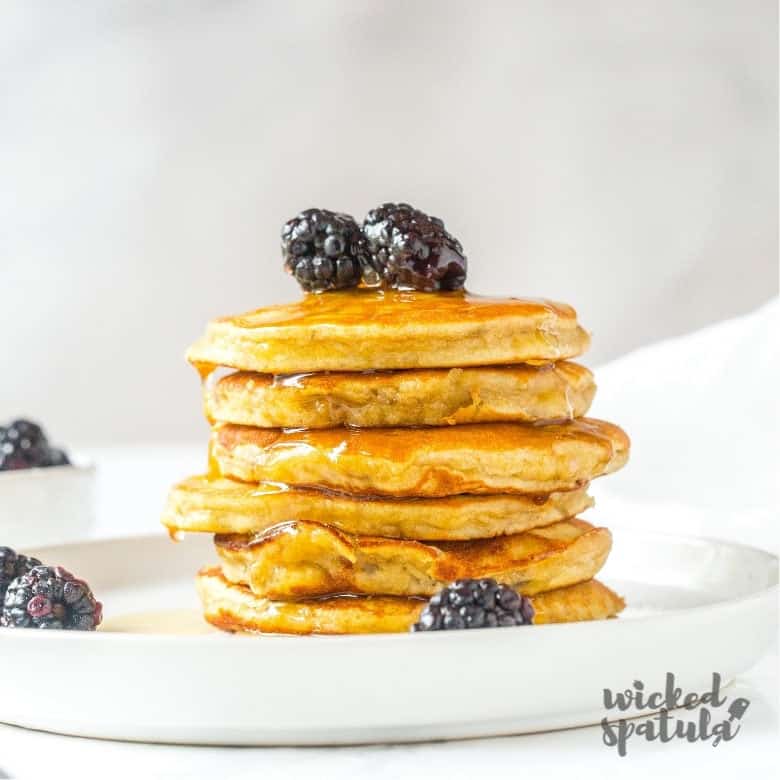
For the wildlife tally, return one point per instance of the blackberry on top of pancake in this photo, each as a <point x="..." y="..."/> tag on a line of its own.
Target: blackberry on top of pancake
<point x="397" y="246"/>
<point x="324" y="250"/>
<point x="411" y="250"/>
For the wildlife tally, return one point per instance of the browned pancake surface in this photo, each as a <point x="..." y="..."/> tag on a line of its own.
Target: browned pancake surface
<point x="425" y="462"/>
<point x="226" y="506"/>
<point x="371" y="399"/>
<point x="298" y="560"/>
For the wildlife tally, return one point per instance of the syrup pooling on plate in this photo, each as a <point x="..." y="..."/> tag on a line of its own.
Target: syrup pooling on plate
<point x="180" y="622"/>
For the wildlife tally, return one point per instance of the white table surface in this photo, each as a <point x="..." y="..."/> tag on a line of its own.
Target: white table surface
<point x="142" y="475"/>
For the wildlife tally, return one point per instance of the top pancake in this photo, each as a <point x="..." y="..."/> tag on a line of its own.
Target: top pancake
<point x="363" y="329"/>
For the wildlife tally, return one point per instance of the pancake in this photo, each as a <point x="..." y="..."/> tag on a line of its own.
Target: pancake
<point x="235" y="608"/>
<point x="402" y="398"/>
<point x="298" y="560"/>
<point x="363" y="329"/>
<point x="224" y="506"/>
<point x="424" y="462"/>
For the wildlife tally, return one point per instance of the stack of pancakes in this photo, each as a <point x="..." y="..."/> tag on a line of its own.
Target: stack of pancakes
<point x="371" y="447"/>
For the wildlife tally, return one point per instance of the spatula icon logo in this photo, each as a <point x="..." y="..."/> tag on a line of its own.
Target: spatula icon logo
<point x="737" y="709"/>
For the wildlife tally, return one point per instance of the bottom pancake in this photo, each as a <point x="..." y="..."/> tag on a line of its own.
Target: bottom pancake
<point x="298" y="560"/>
<point x="235" y="608"/>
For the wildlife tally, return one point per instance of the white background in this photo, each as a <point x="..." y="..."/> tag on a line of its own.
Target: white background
<point x="620" y="156"/>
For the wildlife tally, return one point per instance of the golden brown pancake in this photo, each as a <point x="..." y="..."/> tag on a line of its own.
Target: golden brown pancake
<point x="522" y="393"/>
<point x="235" y="608"/>
<point x="224" y="506"/>
<point x="299" y="560"/>
<point x="361" y="329"/>
<point x="424" y="462"/>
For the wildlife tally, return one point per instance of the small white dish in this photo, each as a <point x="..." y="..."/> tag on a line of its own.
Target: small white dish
<point x="43" y="506"/>
<point x="156" y="672"/>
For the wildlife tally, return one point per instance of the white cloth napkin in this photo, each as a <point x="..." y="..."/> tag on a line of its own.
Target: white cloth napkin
<point x="701" y="411"/>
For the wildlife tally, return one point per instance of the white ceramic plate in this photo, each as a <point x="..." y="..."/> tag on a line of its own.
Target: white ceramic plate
<point x="156" y="672"/>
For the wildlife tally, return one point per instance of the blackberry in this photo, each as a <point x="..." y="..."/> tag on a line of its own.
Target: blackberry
<point x="407" y="248"/>
<point x="323" y="250"/>
<point x="23" y="445"/>
<point x="13" y="565"/>
<point x="475" y="604"/>
<point x="57" y="457"/>
<point x="50" y="597"/>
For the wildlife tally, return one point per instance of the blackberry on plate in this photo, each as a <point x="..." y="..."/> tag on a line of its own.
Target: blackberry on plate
<point x="57" y="457"/>
<point x="50" y="597"/>
<point x="23" y="445"/>
<point x="13" y="565"/>
<point x="409" y="249"/>
<point x="323" y="250"/>
<point x="475" y="604"/>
